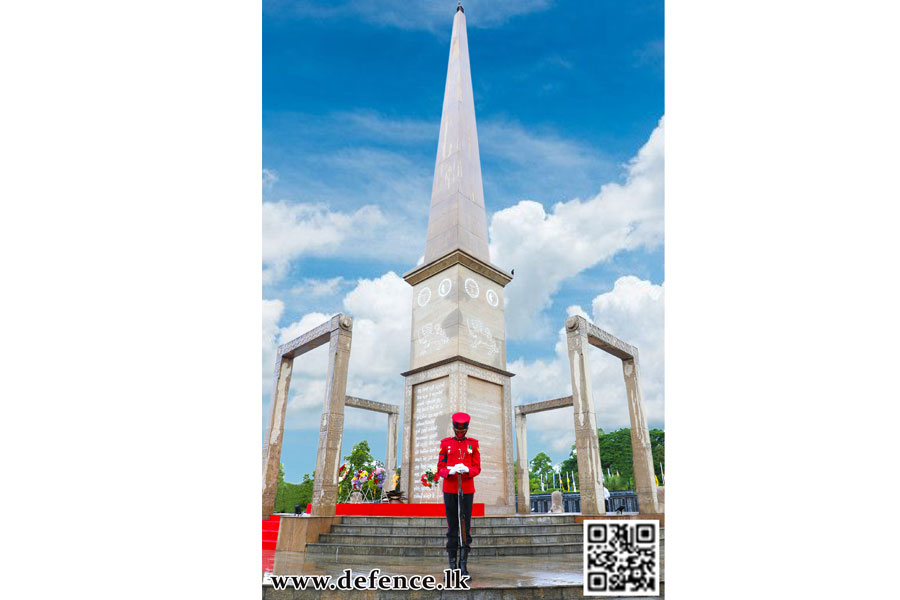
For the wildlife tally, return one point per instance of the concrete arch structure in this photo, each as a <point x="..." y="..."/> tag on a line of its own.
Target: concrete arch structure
<point x="580" y="335"/>
<point x="338" y="332"/>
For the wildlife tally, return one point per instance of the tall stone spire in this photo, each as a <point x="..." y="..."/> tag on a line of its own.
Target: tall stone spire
<point x="457" y="359"/>
<point x="457" y="220"/>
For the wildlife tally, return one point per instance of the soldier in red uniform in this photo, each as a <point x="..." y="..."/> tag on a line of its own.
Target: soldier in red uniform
<point x="459" y="454"/>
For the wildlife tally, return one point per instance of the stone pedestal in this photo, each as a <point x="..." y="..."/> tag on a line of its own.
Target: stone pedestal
<point x="432" y="396"/>
<point x="556" y="502"/>
<point x="294" y="532"/>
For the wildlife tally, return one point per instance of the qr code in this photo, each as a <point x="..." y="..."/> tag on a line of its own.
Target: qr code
<point x="621" y="558"/>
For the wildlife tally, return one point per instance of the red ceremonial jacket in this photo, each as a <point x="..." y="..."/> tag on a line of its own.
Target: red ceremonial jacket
<point x="454" y="452"/>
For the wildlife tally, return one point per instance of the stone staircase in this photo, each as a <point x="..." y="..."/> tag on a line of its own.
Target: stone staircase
<point x="425" y="536"/>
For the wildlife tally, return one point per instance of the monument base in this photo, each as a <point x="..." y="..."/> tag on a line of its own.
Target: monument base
<point x="498" y="510"/>
<point x="433" y="394"/>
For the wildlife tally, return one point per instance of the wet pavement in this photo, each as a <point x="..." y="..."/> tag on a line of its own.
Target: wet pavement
<point x="487" y="572"/>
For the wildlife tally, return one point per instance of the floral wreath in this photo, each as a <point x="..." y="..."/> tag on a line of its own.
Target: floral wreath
<point x="429" y="478"/>
<point x="361" y="477"/>
<point x="378" y="476"/>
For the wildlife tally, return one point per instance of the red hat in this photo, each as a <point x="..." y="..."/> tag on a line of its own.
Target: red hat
<point x="461" y="418"/>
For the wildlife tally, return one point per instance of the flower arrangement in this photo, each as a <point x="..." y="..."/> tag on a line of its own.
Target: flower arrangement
<point x="360" y="479"/>
<point x="429" y="478"/>
<point x="342" y="473"/>
<point x="378" y="476"/>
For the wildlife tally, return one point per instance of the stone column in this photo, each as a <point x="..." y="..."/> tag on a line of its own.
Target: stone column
<point x="275" y="435"/>
<point x="524" y="494"/>
<point x="644" y="482"/>
<point x="390" y="462"/>
<point x="331" y="430"/>
<point x="590" y="471"/>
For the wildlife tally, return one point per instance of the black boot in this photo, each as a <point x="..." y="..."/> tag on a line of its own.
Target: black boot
<point x="463" y="558"/>
<point x="452" y="553"/>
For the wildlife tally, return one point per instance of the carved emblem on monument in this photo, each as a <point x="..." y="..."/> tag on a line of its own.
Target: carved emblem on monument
<point x="471" y="288"/>
<point x="431" y="337"/>
<point x="444" y="287"/>
<point x="424" y="297"/>
<point x="480" y="336"/>
<point x="492" y="298"/>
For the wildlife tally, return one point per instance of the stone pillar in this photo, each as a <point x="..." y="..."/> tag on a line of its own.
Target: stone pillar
<point x="390" y="462"/>
<point x="590" y="471"/>
<point x="524" y="494"/>
<point x="275" y="435"/>
<point x="644" y="482"/>
<point x="331" y="430"/>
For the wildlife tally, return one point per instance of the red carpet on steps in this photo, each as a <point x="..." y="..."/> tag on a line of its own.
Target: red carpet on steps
<point x="270" y="532"/>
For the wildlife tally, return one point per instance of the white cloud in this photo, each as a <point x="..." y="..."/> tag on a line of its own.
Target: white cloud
<point x="537" y="162"/>
<point x="542" y="149"/>
<point x="379" y="353"/>
<point x="269" y="178"/>
<point x="633" y="311"/>
<point x="274" y="271"/>
<point x="414" y="14"/>
<point x="396" y="182"/>
<point x="271" y="314"/>
<point x="318" y="288"/>
<point x="292" y="230"/>
<point x="547" y="248"/>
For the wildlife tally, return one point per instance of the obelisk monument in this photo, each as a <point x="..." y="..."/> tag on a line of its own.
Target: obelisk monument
<point x="458" y="346"/>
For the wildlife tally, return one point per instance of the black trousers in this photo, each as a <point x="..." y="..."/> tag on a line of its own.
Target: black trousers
<point x="450" y="507"/>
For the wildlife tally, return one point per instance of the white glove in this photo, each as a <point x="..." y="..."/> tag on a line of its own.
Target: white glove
<point x="462" y="469"/>
<point x="452" y="470"/>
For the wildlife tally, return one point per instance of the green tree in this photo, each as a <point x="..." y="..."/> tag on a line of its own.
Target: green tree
<point x="360" y="457"/>
<point x="658" y="449"/>
<point x="570" y="465"/>
<point x="541" y="465"/>
<point x="615" y="452"/>
<point x="534" y="482"/>
<point x="616" y="455"/>
<point x="615" y="483"/>
<point x="287" y="495"/>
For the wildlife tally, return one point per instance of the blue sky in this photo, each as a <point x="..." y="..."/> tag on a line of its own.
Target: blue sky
<point x="569" y="107"/>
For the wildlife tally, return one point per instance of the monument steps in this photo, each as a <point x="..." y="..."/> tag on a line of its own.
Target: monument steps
<point x="440" y="540"/>
<point x="440" y="530"/>
<point x="519" y="535"/>
<point x="337" y="550"/>
<point x="270" y="532"/>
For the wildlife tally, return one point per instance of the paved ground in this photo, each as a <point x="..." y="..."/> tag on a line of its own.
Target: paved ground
<point x="512" y="577"/>
<point x="487" y="572"/>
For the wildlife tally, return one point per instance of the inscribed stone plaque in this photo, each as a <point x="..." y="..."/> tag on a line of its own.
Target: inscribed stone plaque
<point x="431" y="419"/>
<point x="485" y="405"/>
